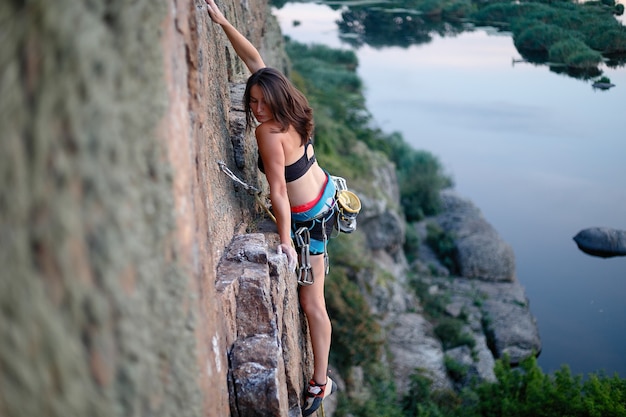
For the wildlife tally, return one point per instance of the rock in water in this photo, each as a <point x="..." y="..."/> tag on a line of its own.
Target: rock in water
<point x="602" y="241"/>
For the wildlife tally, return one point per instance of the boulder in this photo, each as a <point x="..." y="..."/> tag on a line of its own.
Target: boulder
<point x="509" y="325"/>
<point x="481" y="252"/>
<point x="413" y="348"/>
<point x="602" y="241"/>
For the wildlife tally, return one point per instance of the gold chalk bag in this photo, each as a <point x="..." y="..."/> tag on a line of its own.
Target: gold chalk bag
<point x="348" y="206"/>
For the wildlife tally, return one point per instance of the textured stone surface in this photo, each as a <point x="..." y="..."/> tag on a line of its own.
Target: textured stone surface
<point x="481" y="253"/>
<point x="113" y="210"/>
<point x="269" y="354"/>
<point x="413" y="348"/>
<point x="602" y="241"/>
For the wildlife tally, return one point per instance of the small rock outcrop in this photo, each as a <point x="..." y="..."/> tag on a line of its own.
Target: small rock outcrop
<point x="481" y="252"/>
<point x="602" y="241"/>
<point x="486" y="291"/>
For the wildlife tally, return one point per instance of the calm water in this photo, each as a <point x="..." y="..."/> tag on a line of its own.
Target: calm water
<point x="543" y="155"/>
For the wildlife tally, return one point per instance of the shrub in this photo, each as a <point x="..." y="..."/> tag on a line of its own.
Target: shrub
<point x="455" y="370"/>
<point x="450" y="331"/>
<point x="434" y="305"/>
<point x="582" y="59"/>
<point x="457" y="9"/>
<point x="527" y="391"/>
<point x="380" y="397"/>
<point x="443" y="244"/>
<point x="411" y="243"/>
<point x="498" y="13"/>
<point x="539" y="37"/>
<point x="608" y="40"/>
<point x="574" y="53"/>
<point x="421" y="179"/>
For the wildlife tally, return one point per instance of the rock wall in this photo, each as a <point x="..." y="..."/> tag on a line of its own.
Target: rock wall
<point x="114" y="213"/>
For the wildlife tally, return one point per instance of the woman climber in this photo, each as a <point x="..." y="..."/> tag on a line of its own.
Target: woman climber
<point x="301" y="192"/>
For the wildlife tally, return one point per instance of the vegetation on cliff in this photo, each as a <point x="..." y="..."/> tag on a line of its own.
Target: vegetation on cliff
<point x="343" y="129"/>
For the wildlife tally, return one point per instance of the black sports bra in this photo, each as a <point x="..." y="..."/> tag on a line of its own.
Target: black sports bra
<point x="297" y="169"/>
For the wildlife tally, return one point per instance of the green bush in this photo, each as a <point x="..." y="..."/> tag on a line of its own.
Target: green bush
<point x="434" y="305"/>
<point x="444" y="246"/>
<point x="498" y="13"/>
<point x="539" y="37"/>
<point x="574" y="53"/>
<point x="608" y="40"/>
<point x="527" y="391"/>
<point x="457" y="9"/>
<point x="581" y="59"/>
<point x="421" y="179"/>
<point x="455" y="370"/>
<point x="378" y="400"/>
<point x="450" y="331"/>
<point x="411" y="243"/>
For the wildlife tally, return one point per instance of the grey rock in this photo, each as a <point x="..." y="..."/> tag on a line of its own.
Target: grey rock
<point x="413" y="348"/>
<point x="509" y="322"/>
<point x="602" y="241"/>
<point x="266" y="334"/>
<point x="481" y="253"/>
<point x="385" y="231"/>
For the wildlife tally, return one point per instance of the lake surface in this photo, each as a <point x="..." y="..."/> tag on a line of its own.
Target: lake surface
<point x="542" y="155"/>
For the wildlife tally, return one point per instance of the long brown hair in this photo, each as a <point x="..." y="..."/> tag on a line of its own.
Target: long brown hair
<point x="289" y="106"/>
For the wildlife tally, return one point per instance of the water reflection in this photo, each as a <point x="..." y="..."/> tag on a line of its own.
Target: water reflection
<point x="379" y="27"/>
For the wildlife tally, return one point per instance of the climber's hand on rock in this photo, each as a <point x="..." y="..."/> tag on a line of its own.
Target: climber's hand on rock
<point x="292" y="255"/>
<point x="215" y="13"/>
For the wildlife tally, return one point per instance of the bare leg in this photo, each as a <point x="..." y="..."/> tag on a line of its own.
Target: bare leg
<point x="314" y="306"/>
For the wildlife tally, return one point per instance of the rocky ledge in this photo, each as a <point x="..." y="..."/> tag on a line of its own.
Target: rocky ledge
<point x="482" y="292"/>
<point x="485" y="293"/>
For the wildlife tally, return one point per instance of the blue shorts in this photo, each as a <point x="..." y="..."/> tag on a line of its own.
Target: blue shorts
<point x="321" y="214"/>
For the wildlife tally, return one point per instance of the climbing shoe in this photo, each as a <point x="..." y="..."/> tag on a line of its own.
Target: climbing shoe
<point x="315" y="394"/>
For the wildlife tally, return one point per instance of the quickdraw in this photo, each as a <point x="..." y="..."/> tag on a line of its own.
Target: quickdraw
<point x="227" y="171"/>
<point x="302" y="236"/>
<point x="250" y="189"/>
<point x="305" y="271"/>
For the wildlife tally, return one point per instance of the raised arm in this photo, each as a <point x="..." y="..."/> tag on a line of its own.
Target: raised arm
<point x="243" y="47"/>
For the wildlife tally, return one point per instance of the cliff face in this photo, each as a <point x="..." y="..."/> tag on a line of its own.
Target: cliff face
<point x="114" y="212"/>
